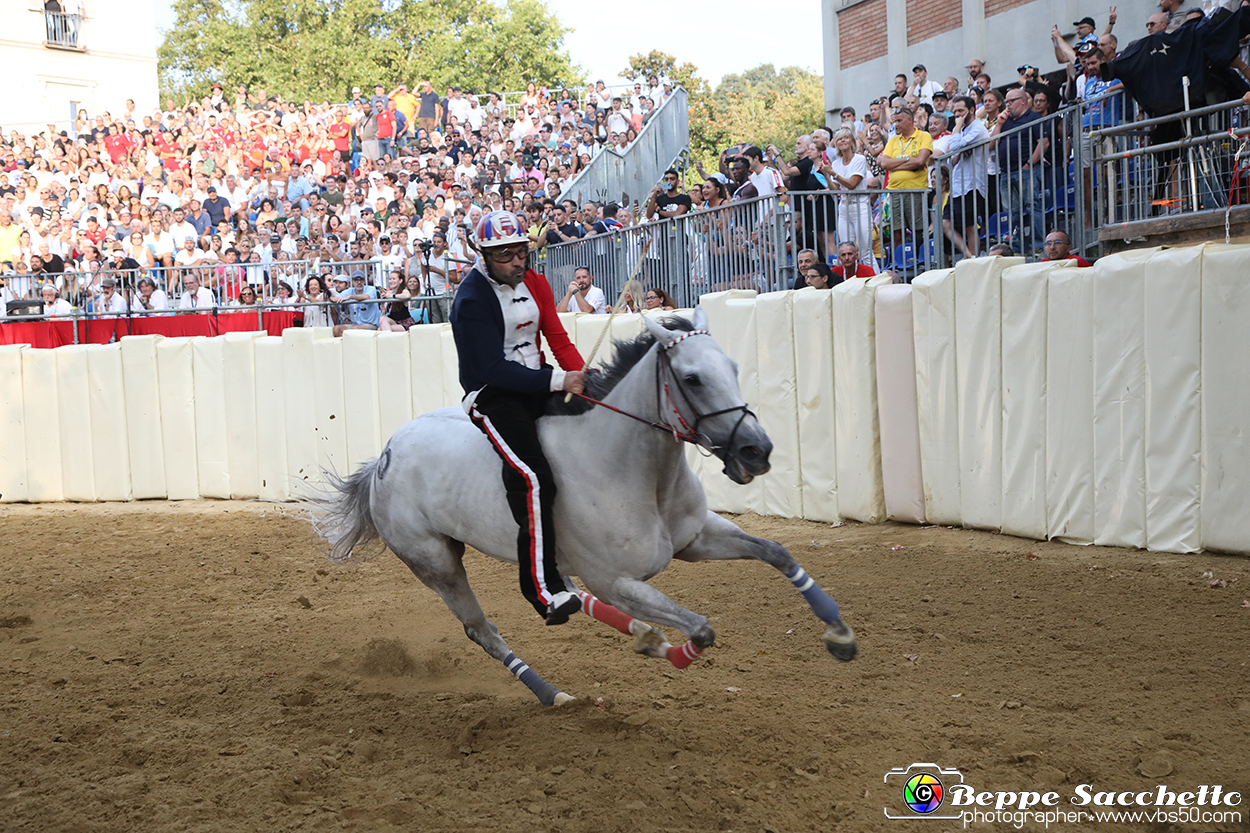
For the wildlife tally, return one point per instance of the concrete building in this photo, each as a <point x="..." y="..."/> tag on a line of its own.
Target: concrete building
<point x="89" y="54"/>
<point x="868" y="42"/>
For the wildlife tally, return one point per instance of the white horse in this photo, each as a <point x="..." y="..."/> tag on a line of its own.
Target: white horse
<point x="628" y="503"/>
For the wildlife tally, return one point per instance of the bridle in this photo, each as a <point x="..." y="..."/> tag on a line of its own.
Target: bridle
<point x="663" y="397"/>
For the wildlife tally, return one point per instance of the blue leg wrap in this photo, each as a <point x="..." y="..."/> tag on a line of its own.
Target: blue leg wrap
<point x="825" y="608"/>
<point x="543" y="690"/>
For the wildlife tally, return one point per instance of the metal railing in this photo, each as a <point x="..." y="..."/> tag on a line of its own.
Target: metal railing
<point x="665" y="137"/>
<point x="63" y="29"/>
<point x="1183" y="163"/>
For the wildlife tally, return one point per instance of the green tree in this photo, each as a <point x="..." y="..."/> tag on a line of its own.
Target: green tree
<point x="320" y="49"/>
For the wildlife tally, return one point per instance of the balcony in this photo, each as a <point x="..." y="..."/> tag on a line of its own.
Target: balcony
<point x="63" y="31"/>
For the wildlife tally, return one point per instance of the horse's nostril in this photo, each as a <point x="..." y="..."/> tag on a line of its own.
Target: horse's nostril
<point x="750" y="452"/>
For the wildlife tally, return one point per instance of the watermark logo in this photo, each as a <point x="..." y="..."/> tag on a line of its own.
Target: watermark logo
<point x="921" y="790"/>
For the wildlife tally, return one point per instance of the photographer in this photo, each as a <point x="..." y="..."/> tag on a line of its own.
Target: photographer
<point x="441" y="274"/>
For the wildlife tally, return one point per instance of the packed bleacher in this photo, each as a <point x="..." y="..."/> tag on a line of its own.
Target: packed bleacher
<point x="243" y="198"/>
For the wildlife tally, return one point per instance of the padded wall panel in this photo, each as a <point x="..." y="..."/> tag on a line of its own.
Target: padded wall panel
<point x="425" y="349"/>
<point x="330" y="406"/>
<point x="812" y="311"/>
<point x="143" y="416"/>
<point x="901" y="477"/>
<point x="1120" y="399"/>
<point x="299" y="407"/>
<point x="13" y="481"/>
<point x="937" y="411"/>
<point x="731" y="321"/>
<point x="452" y="392"/>
<point x="271" y="466"/>
<point x="861" y="495"/>
<point x="778" y="404"/>
<point x="1070" y="405"/>
<point x="41" y="414"/>
<point x="175" y="364"/>
<point x="394" y="383"/>
<point x="1225" y="398"/>
<point x="590" y="328"/>
<point x="626" y="327"/>
<point x="110" y="445"/>
<point x="239" y="368"/>
<point x="212" y="432"/>
<point x="1173" y="328"/>
<point x="74" y="400"/>
<point x="1024" y="400"/>
<point x="978" y="359"/>
<point x="360" y="391"/>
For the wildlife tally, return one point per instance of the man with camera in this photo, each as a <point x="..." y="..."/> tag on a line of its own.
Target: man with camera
<point x="440" y="273"/>
<point x="666" y="199"/>
<point x="583" y="295"/>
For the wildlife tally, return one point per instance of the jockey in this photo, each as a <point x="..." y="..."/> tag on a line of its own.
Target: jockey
<point x="501" y="312"/>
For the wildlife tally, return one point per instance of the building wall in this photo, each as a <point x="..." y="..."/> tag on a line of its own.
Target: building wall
<point x="868" y="42"/>
<point x="116" y="61"/>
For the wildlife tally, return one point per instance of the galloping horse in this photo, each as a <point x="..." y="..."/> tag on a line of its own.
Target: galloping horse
<point x="436" y="487"/>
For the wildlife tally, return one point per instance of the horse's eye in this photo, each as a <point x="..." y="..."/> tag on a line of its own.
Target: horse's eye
<point x="693" y="380"/>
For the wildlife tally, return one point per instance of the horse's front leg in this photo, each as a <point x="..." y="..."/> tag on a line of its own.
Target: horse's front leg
<point x="722" y="540"/>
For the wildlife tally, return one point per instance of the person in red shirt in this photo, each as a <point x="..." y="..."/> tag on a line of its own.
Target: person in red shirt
<point x="386" y="127"/>
<point x="848" y="265"/>
<point x="341" y="133"/>
<point x="1057" y="247"/>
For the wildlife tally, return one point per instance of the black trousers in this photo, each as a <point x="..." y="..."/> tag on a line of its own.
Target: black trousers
<point x="509" y="422"/>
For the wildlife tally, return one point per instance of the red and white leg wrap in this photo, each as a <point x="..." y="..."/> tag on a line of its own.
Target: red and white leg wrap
<point x="605" y="613"/>
<point x="682" y="655"/>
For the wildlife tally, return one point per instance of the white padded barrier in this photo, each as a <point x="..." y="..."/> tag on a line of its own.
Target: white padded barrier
<point x="110" y="445"/>
<point x="812" y="311"/>
<point x="175" y="362"/>
<point x="212" y="443"/>
<point x="453" y="394"/>
<point x="777" y="410"/>
<point x="141" y="381"/>
<point x="731" y="321"/>
<point x="328" y="394"/>
<point x="299" y="406"/>
<point x="901" y="477"/>
<point x="394" y="383"/>
<point x="1120" y="399"/>
<point x="861" y="495"/>
<point x="1225" y="398"/>
<point x="360" y="392"/>
<point x="1173" y="327"/>
<point x="425" y="348"/>
<point x="41" y="409"/>
<point x="1070" y="405"/>
<point x="76" y="439"/>
<point x="13" y="481"/>
<point x="937" y="411"/>
<point x="239" y="368"/>
<point x="1024" y="290"/>
<point x="589" y="328"/>
<point x="272" y="470"/>
<point x="978" y="361"/>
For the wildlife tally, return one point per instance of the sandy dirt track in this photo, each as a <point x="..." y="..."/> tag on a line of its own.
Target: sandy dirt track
<point x="201" y="666"/>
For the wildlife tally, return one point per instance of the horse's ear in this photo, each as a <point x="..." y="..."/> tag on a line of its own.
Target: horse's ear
<point x="662" y="334"/>
<point x="700" y="317"/>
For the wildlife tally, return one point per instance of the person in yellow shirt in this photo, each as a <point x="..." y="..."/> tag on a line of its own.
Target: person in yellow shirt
<point x="906" y="162"/>
<point x="406" y="103"/>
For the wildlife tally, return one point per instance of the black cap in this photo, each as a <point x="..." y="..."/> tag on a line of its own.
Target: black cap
<point x="1088" y="21"/>
<point x="211" y="190"/>
<point x="919" y="66"/>
<point x="359" y="192"/>
<point x="275" y="239"/>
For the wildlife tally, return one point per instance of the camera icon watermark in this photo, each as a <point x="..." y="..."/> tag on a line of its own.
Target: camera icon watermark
<point x="920" y="791"/>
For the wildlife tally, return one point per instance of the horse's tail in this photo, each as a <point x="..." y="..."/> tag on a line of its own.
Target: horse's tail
<point x="339" y="511"/>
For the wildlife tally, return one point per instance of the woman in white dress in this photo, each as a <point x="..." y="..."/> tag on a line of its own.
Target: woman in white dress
<point x="315" y="291"/>
<point x="847" y="171"/>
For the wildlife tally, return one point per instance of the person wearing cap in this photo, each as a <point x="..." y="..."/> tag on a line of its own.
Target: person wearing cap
<point x="109" y="300"/>
<point x="500" y="315"/>
<point x="360" y="315"/>
<point x="922" y="88"/>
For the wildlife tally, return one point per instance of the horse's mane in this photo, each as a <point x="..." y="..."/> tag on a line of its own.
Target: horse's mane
<point x="625" y="355"/>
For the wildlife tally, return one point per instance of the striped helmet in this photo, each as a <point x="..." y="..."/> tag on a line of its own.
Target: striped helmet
<point x="499" y="228"/>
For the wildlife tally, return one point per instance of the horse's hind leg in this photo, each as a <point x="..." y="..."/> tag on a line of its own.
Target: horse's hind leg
<point x="722" y="540"/>
<point x="440" y="567"/>
<point x="642" y="601"/>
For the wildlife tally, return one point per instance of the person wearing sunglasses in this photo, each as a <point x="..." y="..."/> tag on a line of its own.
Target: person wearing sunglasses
<point x="501" y="313"/>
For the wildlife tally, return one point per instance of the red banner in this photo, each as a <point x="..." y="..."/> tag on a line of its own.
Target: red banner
<point x="105" y="330"/>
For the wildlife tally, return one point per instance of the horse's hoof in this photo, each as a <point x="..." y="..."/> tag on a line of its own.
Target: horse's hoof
<point x="651" y="643"/>
<point x="840" y="640"/>
<point x="562" y="698"/>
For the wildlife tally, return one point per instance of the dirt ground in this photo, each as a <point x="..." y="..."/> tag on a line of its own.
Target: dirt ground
<point x="202" y="667"/>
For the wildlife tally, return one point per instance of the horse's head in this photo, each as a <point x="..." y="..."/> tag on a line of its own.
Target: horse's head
<point x="700" y="389"/>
